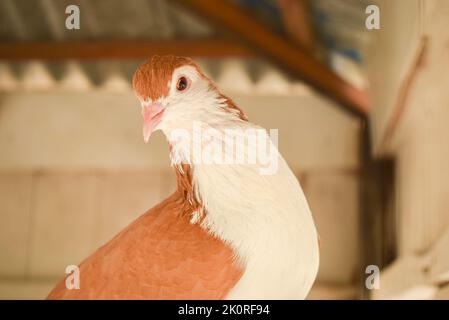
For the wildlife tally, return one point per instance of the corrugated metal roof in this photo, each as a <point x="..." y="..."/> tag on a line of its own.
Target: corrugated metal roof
<point x="231" y="75"/>
<point x="22" y="20"/>
<point x="338" y="23"/>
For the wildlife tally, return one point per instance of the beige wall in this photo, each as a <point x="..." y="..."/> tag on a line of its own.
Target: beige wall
<point x="74" y="171"/>
<point x="389" y="58"/>
<point x="419" y="144"/>
<point x="93" y="129"/>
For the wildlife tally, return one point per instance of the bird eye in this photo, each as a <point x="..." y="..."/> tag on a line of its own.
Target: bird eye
<point x="182" y="84"/>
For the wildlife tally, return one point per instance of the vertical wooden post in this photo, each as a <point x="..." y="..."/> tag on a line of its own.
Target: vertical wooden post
<point x="377" y="210"/>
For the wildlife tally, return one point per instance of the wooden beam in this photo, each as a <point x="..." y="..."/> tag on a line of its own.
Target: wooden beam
<point x="233" y="18"/>
<point x="297" y="22"/>
<point x="121" y="49"/>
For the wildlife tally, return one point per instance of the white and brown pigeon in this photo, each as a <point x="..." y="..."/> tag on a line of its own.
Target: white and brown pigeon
<point x="228" y="232"/>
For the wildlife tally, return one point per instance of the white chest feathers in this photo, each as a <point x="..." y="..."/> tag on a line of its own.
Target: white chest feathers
<point x="266" y="220"/>
<point x="268" y="223"/>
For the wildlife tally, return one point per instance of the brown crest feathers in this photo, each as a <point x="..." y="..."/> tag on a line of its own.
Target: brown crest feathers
<point x="151" y="79"/>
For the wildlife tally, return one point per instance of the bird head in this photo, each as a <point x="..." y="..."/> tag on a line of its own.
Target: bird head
<point x="174" y="92"/>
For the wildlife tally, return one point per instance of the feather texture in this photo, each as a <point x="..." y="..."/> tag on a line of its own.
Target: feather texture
<point x="161" y="255"/>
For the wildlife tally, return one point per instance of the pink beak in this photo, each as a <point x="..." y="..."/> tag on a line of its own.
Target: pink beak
<point x="152" y="115"/>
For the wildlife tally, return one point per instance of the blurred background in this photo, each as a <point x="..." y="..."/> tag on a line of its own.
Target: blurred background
<point x="362" y="117"/>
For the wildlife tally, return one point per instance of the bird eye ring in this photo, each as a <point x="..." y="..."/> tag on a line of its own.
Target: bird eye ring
<point x="182" y="84"/>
